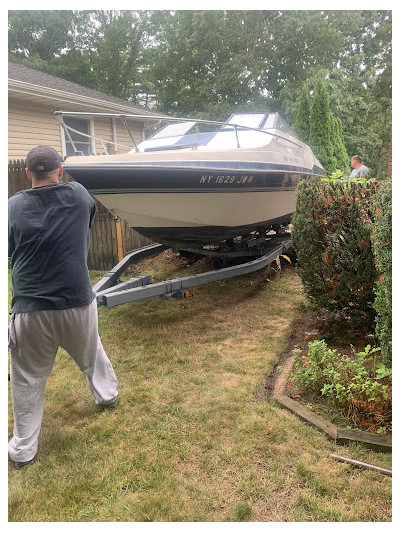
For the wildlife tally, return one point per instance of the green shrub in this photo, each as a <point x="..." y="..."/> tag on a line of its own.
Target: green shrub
<point x="382" y="246"/>
<point x="360" y="383"/>
<point x="331" y="234"/>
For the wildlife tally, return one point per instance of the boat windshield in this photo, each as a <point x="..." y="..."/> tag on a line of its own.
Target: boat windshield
<point x="269" y="124"/>
<point x="250" y="120"/>
<point x="265" y="121"/>
<point x="190" y="133"/>
<point x="281" y="125"/>
<point x="173" y="130"/>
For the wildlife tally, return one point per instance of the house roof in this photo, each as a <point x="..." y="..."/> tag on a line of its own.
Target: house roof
<point x="29" y="80"/>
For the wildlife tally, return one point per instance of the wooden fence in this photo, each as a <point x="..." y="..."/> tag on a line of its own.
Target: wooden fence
<point x="110" y="238"/>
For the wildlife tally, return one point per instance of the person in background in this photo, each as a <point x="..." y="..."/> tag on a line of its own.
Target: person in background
<point x="358" y="168"/>
<point x="53" y="303"/>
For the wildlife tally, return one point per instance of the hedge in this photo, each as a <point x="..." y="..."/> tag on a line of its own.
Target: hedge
<point x="382" y="246"/>
<point x="332" y="236"/>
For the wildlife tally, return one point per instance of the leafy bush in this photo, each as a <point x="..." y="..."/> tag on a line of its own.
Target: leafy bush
<point x="382" y="246"/>
<point x="331" y="234"/>
<point x="360" y="383"/>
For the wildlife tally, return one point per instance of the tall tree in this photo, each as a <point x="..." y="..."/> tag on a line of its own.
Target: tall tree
<point x="52" y="41"/>
<point x="102" y="50"/>
<point x="321" y="128"/>
<point x="118" y="52"/>
<point x="339" y="148"/>
<point x="358" y="83"/>
<point x="302" y="123"/>
<point x="205" y="62"/>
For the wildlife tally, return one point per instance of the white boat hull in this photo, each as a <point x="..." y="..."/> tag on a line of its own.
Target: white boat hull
<point x="190" y="195"/>
<point x="200" y="209"/>
<point x="188" y="217"/>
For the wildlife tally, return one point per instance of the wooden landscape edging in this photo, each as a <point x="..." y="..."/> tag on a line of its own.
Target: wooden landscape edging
<point x="339" y="435"/>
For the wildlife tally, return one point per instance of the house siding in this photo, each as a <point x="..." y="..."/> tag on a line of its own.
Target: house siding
<point x="35" y="95"/>
<point x="123" y="136"/>
<point x="103" y="130"/>
<point x="29" y="126"/>
<point x="32" y="124"/>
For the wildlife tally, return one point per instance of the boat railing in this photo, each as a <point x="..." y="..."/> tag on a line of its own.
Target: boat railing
<point x="158" y="118"/>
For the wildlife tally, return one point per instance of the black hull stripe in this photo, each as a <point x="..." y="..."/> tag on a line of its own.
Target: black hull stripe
<point x="145" y="179"/>
<point x="225" y="166"/>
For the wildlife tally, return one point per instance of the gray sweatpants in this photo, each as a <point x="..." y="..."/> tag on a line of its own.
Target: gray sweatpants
<point x="34" y="339"/>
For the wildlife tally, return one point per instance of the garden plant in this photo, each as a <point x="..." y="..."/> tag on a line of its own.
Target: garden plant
<point x="342" y="235"/>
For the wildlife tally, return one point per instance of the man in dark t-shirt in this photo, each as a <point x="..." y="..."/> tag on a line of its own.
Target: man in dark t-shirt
<point x="53" y="303"/>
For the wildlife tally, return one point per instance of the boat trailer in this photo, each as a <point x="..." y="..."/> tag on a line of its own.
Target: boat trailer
<point x="111" y="291"/>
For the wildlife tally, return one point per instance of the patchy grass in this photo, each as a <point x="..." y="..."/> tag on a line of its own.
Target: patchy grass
<point x="192" y="439"/>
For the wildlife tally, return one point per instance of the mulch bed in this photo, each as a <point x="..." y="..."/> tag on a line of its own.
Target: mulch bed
<point x="309" y="328"/>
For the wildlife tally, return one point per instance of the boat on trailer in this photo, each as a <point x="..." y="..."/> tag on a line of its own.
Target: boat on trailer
<point x="195" y="183"/>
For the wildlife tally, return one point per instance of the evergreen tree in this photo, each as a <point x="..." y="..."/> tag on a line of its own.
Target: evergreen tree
<point x="320" y="127"/>
<point x="341" y="154"/>
<point x="302" y="124"/>
<point x="332" y="164"/>
<point x="327" y="141"/>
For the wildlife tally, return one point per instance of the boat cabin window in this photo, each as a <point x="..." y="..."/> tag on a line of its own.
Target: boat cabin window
<point x="82" y="143"/>
<point x="251" y="120"/>
<point x="174" y="130"/>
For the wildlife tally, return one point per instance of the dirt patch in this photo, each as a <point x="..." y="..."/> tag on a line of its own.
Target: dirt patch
<point x="303" y="331"/>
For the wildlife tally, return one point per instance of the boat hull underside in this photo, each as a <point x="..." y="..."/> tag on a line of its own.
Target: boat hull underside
<point x="190" y="237"/>
<point x="194" y="219"/>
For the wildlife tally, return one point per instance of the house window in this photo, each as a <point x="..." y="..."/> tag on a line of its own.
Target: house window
<point x="82" y="144"/>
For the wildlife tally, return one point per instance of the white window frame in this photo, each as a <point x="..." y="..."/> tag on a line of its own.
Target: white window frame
<point x="91" y="132"/>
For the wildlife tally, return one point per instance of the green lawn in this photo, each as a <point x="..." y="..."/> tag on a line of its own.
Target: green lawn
<point x="193" y="438"/>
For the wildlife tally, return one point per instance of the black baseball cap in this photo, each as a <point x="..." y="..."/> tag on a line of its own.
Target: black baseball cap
<point x="43" y="159"/>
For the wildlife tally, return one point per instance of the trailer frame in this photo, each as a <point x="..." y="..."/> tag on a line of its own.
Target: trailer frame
<point x="111" y="291"/>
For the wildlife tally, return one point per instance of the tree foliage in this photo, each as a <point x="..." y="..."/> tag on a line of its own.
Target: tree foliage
<point x="339" y="148"/>
<point x="317" y="126"/>
<point x="302" y="124"/>
<point x="210" y="63"/>
<point x="320" y="130"/>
